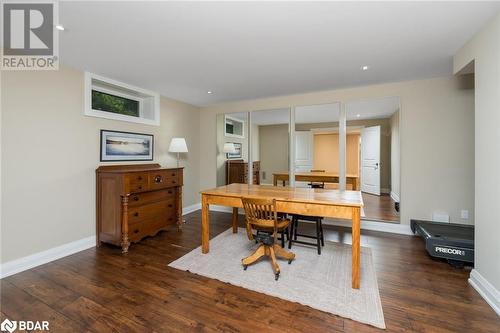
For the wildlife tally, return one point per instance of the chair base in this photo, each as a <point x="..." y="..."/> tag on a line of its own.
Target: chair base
<point x="271" y="251"/>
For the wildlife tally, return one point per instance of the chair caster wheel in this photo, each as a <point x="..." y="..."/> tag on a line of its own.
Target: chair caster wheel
<point x="245" y="267"/>
<point x="276" y="276"/>
<point x="290" y="261"/>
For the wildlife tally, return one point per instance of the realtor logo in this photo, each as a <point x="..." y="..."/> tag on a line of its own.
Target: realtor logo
<point x="30" y="41"/>
<point x="8" y="326"/>
<point x="24" y="325"/>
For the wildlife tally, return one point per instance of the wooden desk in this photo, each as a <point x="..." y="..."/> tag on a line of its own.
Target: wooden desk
<point x="321" y="177"/>
<point x="304" y="201"/>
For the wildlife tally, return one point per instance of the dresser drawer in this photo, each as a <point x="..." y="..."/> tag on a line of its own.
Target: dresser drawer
<point x="157" y="210"/>
<point x="136" y="182"/>
<point x="143" y="198"/>
<point x="137" y="231"/>
<point x="163" y="178"/>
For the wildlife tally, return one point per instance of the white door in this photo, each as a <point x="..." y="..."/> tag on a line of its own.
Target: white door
<point x="370" y="160"/>
<point x="303" y="153"/>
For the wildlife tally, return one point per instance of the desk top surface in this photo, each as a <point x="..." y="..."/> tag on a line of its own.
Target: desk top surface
<point x="285" y="193"/>
<point x="315" y="174"/>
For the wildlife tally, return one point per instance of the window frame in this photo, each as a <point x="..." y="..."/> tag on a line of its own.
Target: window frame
<point x="142" y="94"/>
<point x="231" y="135"/>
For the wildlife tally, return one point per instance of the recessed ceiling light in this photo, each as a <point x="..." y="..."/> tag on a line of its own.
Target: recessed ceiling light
<point x="358" y="115"/>
<point x="209" y="92"/>
<point x="365" y="68"/>
<point x="59" y="27"/>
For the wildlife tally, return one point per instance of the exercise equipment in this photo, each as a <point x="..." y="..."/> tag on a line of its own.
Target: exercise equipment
<point x="451" y="241"/>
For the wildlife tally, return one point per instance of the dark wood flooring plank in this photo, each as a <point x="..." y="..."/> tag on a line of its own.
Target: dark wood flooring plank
<point x="101" y="290"/>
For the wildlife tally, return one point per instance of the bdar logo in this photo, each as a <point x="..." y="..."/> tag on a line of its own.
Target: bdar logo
<point x="8" y="325"/>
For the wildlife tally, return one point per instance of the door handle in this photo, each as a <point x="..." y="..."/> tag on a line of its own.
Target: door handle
<point x="376" y="166"/>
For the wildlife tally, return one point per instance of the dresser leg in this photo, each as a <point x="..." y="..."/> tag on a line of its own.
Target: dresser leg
<point x="125" y="243"/>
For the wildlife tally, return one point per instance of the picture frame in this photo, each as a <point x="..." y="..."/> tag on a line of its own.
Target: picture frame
<point x="126" y="146"/>
<point x="238" y="147"/>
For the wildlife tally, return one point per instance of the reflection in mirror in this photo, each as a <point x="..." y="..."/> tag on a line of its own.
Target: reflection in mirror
<point x="232" y="148"/>
<point x="270" y="133"/>
<point x="317" y="145"/>
<point x="375" y="125"/>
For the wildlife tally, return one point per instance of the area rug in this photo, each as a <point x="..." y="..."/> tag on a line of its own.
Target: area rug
<point x="322" y="282"/>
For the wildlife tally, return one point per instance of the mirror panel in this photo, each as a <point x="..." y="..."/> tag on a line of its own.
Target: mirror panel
<point x="232" y="148"/>
<point x="270" y="147"/>
<point x="372" y="151"/>
<point x="317" y="141"/>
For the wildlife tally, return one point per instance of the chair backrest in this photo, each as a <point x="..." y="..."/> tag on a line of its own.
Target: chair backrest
<point x="260" y="213"/>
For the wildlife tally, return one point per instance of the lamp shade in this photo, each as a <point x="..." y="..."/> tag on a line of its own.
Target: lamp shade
<point x="229" y="148"/>
<point x="178" y="145"/>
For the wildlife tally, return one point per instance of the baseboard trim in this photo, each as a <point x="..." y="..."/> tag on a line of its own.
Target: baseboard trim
<point x="191" y="208"/>
<point x="40" y="258"/>
<point x="487" y="291"/>
<point x="393" y="228"/>
<point x="385" y="190"/>
<point x="394" y="196"/>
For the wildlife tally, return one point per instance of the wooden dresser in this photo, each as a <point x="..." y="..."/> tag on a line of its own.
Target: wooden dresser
<point x="237" y="170"/>
<point x="135" y="201"/>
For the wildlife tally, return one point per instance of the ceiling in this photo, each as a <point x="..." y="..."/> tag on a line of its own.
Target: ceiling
<point x="244" y="50"/>
<point x="374" y="108"/>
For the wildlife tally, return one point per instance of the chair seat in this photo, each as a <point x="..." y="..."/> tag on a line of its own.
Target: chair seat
<point x="267" y="226"/>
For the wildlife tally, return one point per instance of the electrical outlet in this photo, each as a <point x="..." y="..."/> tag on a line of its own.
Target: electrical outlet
<point x="464" y="214"/>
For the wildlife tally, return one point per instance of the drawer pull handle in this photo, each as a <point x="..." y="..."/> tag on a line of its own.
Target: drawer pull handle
<point x="173" y="181"/>
<point x="170" y="205"/>
<point x="136" y="214"/>
<point x="170" y="192"/>
<point x="136" y="198"/>
<point x="139" y="187"/>
<point x="139" y="178"/>
<point x="136" y="231"/>
<point x="158" y="179"/>
<point x="173" y="175"/>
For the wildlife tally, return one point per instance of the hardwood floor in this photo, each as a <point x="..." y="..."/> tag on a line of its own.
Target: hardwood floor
<point x="101" y="290"/>
<point x="379" y="207"/>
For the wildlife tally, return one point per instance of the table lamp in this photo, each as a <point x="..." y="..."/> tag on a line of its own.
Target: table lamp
<point x="178" y="145"/>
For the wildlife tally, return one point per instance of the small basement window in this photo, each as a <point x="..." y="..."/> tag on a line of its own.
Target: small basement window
<point x="106" y="98"/>
<point x="234" y="127"/>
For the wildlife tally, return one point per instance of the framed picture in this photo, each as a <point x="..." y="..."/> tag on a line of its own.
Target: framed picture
<point x="126" y="146"/>
<point x="237" y="146"/>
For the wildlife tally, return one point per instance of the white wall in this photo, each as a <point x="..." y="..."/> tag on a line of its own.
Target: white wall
<point x="50" y="151"/>
<point x="437" y="165"/>
<point x="395" y="157"/>
<point x="484" y="50"/>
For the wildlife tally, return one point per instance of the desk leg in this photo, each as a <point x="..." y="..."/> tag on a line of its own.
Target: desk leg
<point x="235" y="220"/>
<point x="275" y="181"/>
<point x="205" y="224"/>
<point x="355" y="247"/>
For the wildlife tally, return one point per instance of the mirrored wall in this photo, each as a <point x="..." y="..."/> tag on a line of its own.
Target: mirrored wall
<point x="345" y="146"/>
